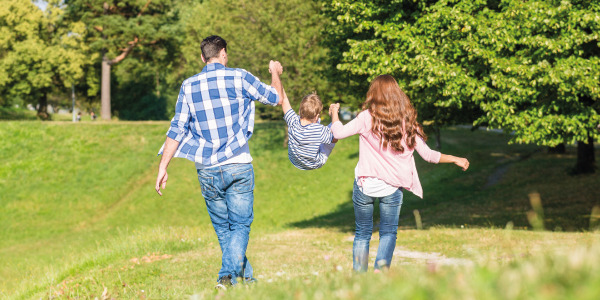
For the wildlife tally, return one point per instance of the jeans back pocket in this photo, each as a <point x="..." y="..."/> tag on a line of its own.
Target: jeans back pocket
<point x="207" y="187"/>
<point x="243" y="181"/>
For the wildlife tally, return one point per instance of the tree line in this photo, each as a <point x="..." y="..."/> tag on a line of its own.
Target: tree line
<point x="529" y="67"/>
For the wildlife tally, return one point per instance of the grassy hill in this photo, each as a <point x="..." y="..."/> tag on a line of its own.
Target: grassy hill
<point x="79" y="217"/>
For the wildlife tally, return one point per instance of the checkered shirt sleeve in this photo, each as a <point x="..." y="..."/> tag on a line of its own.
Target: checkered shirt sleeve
<point x="256" y="90"/>
<point x="180" y="122"/>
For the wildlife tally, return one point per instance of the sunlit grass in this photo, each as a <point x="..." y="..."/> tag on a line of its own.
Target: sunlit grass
<point x="78" y="206"/>
<point x="314" y="263"/>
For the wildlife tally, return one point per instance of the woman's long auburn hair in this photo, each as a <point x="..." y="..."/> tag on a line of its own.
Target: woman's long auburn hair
<point x="390" y="108"/>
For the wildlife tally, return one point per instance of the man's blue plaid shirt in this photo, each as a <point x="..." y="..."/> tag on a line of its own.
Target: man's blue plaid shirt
<point x="214" y="115"/>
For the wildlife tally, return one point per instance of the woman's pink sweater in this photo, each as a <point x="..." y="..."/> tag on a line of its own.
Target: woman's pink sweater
<point x="395" y="168"/>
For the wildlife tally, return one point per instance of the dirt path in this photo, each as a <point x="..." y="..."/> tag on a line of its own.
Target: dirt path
<point x="505" y="164"/>
<point x="412" y="257"/>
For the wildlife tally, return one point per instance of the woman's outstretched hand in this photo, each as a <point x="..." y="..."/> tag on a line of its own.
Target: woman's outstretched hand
<point x="463" y="163"/>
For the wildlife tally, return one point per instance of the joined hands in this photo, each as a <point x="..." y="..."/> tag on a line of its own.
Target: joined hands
<point x="334" y="109"/>
<point x="275" y="67"/>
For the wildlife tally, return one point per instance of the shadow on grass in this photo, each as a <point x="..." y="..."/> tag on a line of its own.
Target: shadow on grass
<point x="493" y="193"/>
<point x="481" y="211"/>
<point x="341" y="218"/>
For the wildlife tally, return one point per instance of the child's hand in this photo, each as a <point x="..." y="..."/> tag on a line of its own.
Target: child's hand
<point x="462" y="162"/>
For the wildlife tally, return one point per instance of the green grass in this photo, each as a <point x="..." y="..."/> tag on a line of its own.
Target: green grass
<point x="78" y="213"/>
<point x="19" y="114"/>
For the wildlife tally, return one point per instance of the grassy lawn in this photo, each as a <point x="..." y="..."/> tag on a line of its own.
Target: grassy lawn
<point x="79" y="217"/>
<point x="16" y="114"/>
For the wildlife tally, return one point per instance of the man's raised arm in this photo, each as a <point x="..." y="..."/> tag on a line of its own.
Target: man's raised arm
<point x="276" y="69"/>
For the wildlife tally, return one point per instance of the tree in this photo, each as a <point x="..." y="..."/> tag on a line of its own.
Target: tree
<point x="545" y="73"/>
<point x="118" y="29"/>
<point x="403" y="39"/>
<point x="39" y="52"/>
<point x="258" y="31"/>
<point x="528" y="67"/>
<point x="567" y="76"/>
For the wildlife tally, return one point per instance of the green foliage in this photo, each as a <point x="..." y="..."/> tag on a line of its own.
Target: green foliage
<point x="141" y="39"/>
<point x="531" y="67"/>
<point x="145" y="107"/>
<point x="11" y="113"/>
<point x="113" y="25"/>
<point x="547" y="75"/>
<point x="395" y="38"/>
<point x="39" y="52"/>
<point x="259" y="31"/>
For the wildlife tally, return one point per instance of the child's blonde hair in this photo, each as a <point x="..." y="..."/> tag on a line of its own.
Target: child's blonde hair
<point x="311" y="106"/>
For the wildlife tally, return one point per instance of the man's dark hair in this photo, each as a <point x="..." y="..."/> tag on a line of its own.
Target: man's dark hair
<point x="211" y="46"/>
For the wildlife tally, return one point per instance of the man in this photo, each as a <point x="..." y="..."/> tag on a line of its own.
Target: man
<point x="214" y="119"/>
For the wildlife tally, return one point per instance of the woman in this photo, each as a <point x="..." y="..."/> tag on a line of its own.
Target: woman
<point x="389" y="134"/>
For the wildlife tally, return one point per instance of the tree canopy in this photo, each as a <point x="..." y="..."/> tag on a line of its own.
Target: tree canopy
<point x="528" y="67"/>
<point x="258" y="31"/>
<point x="147" y="30"/>
<point x="39" y="52"/>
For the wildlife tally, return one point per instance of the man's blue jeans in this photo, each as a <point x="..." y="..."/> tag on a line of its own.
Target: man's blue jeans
<point x="389" y="208"/>
<point x="229" y="194"/>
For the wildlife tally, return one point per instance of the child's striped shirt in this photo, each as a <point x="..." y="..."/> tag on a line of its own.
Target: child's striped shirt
<point x="305" y="142"/>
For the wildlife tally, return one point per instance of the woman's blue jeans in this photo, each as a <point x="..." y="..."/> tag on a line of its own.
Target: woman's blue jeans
<point x="389" y="208"/>
<point x="229" y="194"/>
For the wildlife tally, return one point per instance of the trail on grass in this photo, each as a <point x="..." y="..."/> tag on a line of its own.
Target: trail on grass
<point x="505" y="164"/>
<point x="430" y="258"/>
<point x="143" y="181"/>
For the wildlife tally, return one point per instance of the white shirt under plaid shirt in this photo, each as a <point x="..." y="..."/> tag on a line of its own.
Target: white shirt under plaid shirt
<point x="214" y="114"/>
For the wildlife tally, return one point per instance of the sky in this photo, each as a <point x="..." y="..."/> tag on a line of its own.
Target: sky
<point x="41" y="4"/>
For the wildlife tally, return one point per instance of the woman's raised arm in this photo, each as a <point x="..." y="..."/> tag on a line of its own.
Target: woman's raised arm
<point x="356" y="126"/>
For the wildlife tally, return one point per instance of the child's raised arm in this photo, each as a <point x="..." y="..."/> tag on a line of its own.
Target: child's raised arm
<point x="285" y="105"/>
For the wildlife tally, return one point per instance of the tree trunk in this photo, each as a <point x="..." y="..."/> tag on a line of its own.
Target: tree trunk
<point x="558" y="149"/>
<point x="585" y="157"/>
<point x="438" y="138"/>
<point x="42" y="112"/>
<point x="105" y="89"/>
<point x="157" y="85"/>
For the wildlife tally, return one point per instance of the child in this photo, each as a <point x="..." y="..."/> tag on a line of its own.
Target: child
<point x="310" y="143"/>
<point x="389" y="134"/>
